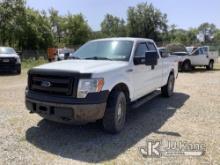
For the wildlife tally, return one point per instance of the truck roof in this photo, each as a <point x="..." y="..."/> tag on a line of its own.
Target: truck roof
<point x="124" y="39"/>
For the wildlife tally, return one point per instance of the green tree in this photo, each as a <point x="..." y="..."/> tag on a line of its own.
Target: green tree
<point x="77" y="30"/>
<point x="207" y="30"/>
<point x="176" y="47"/>
<point x="146" y="21"/>
<point x="36" y="31"/>
<point x="57" y="25"/>
<point x="216" y="38"/>
<point x="192" y="36"/>
<point x="186" y="37"/>
<point x="113" y="26"/>
<point x="11" y="12"/>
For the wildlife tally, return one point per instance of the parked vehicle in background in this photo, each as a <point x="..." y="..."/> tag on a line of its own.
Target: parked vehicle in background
<point x="9" y="60"/>
<point x="164" y="52"/>
<point x="199" y="56"/>
<point x="105" y="77"/>
<point x="58" y="54"/>
<point x="63" y="54"/>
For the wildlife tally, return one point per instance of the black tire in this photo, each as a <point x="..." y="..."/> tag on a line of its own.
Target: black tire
<point x="18" y="71"/>
<point x="115" y="114"/>
<point x="167" y="90"/>
<point x="186" y="66"/>
<point x="210" y="66"/>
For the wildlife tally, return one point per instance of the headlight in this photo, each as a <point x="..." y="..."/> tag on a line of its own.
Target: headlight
<point x="18" y="60"/>
<point x="89" y="86"/>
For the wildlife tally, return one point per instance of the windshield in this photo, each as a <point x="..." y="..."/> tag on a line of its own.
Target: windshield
<point x="179" y="54"/>
<point x="105" y="50"/>
<point x="7" y="50"/>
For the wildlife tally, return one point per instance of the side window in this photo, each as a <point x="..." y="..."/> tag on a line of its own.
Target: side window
<point x="201" y="51"/>
<point x="140" y="50"/>
<point x="196" y="52"/>
<point x="151" y="46"/>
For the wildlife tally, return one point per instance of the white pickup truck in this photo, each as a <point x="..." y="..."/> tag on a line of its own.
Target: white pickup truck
<point x="102" y="79"/>
<point x="200" y="56"/>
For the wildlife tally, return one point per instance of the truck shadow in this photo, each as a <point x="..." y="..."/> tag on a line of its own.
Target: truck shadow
<point x="201" y="70"/>
<point x="89" y="143"/>
<point x="8" y="74"/>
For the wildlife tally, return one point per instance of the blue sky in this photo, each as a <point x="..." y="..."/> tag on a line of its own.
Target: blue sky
<point x="183" y="13"/>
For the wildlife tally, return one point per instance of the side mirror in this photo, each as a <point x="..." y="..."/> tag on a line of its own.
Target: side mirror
<point x="66" y="55"/>
<point x="151" y="58"/>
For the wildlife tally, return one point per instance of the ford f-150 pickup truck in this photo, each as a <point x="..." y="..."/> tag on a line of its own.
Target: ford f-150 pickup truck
<point x="103" y="77"/>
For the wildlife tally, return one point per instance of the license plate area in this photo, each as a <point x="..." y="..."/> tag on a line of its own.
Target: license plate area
<point x="43" y="109"/>
<point x="5" y="60"/>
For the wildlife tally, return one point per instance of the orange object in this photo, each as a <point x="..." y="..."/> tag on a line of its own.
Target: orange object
<point x="51" y="54"/>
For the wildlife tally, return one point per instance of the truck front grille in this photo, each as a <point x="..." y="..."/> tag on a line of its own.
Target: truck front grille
<point x="51" y="84"/>
<point x="7" y="61"/>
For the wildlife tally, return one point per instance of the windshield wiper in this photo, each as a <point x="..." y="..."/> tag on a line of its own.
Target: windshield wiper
<point x="97" y="58"/>
<point x="73" y="57"/>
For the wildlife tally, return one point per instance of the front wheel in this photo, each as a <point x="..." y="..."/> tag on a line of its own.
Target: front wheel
<point x="168" y="89"/>
<point x="115" y="114"/>
<point x="18" y="70"/>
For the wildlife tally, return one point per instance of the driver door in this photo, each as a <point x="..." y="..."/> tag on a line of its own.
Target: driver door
<point x="145" y="79"/>
<point x="199" y="57"/>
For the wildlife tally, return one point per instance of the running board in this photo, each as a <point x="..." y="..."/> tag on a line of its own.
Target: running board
<point x="145" y="99"/>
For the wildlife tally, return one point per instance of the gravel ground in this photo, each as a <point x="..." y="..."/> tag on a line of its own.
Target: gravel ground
<point x="192" y="115"/>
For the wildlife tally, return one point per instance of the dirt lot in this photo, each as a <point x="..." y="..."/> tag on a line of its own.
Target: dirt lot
<point x="191" y="115"/>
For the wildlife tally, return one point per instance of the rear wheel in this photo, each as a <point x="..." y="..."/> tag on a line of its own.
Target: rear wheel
<point x="115" y="114"/>
<point x="168" y="89"/>
<point x="210" y="66"/>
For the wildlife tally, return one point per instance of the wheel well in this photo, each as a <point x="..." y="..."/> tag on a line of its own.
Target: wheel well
<point x="124" y="88"/>
<point x="187" y="60"/>
<point x="172" y="72"/>
<point x="211" y="60"/>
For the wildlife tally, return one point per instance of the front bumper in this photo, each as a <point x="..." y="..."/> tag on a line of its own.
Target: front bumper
<point x="66" y="109"/>
<point x="9" y="67"/>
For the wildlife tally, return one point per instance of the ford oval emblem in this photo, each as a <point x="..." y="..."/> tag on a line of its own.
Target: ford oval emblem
<point x="45" y="84"/>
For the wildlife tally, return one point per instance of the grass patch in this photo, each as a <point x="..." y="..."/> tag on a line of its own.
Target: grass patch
<point x="217" y="66"/>
<point x="30" y="63"/>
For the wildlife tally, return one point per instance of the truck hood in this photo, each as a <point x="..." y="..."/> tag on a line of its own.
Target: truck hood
<point x="84" y="66"/>
<point x="8" y="55"/>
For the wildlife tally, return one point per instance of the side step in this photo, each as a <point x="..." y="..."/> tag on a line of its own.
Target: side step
<point x="145" y="99"/>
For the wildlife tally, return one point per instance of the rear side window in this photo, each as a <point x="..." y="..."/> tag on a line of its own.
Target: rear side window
<point x="151" y="46"/>
<point x="201" y="51"/>
<point x="141" y="49"/>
